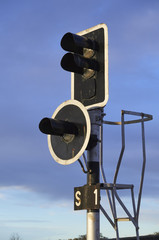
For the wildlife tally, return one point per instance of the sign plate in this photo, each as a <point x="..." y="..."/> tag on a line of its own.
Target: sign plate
<point x="87" y="197"/>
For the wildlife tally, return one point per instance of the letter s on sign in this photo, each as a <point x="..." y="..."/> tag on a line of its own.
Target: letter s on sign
<point x="77" y="196"/>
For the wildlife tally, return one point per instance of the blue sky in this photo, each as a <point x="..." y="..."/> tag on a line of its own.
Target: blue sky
<point x="36" y="193"/>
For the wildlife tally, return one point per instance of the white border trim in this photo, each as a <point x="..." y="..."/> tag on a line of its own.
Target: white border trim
<point x="88" y="123"/>
<point x="101" y="104"/>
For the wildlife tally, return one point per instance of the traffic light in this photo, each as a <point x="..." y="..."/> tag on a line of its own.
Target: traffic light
<point x="68" y="131"/>
<point x="87" y="60"/>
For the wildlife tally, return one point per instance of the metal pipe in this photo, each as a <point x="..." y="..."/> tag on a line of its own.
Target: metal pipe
<point x="102" y="169"/>
<point x="107" y="216"/>
<point x="123" y="147"/>
<point x="146" y="117"/>
<point x="143" y="167"/>
<point x="85" y="161"/>
<point x="124" y="208"/>
<point x="93" y="155"/>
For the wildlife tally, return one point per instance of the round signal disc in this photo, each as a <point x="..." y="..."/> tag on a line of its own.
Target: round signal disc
<point x="68" y="148"/>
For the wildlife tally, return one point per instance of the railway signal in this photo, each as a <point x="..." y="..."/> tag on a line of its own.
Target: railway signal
<point x="87" y="60"/>
<point x="68" y="131"/>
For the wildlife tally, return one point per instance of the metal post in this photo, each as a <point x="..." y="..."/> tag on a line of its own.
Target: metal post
<point x="93" y="155"/>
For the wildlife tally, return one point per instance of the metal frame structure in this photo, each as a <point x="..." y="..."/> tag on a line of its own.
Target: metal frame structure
<point x="112" y="188"/>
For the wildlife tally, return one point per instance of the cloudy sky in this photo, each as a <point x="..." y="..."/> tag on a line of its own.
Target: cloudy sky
<point x="36" y="193"/>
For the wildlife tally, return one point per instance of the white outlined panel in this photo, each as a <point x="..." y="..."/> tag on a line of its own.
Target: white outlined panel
<point x="103" y="103"/>
<point x="86" y="138"/>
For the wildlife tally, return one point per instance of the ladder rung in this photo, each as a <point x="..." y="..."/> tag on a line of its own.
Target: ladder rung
<point x="123" y="219"/>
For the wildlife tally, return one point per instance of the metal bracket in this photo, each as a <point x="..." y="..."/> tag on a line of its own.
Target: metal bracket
<point x="113" y="187"/>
